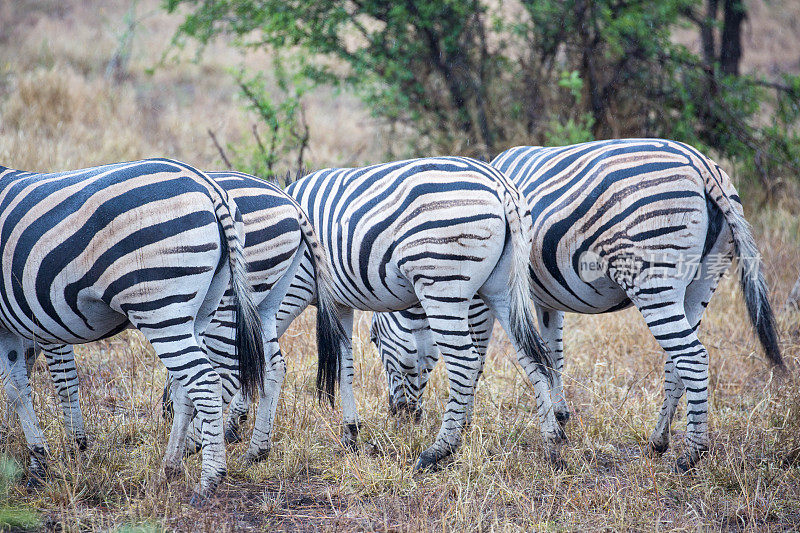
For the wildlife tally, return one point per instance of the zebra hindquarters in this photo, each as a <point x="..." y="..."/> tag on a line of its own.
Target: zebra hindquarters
<point x="699" y="291"/>
<point x="187" y="298"/>
<point x="670" y="285"/>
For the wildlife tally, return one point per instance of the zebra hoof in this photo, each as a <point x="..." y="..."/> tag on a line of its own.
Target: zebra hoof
<point x="82" y="443"/>
<point x="232" y="436"/>
<point x="557" y="436"/>
<point x="198" y="500"/>
<point x="683" y="466"/>
<point x="172" y="472"/>
<point x="207" y="489"/>
<point x="251" y="458"/>
<point x="556" y="461"/>
<point x="350" y="437"/>
<point x="349" y="443"/>
<point x="562" y="417"/>
<point x="655" y="449"/>
<point x="36" y="481"/>
<point x="427" y="461"/>
<point x="687" y="463"/>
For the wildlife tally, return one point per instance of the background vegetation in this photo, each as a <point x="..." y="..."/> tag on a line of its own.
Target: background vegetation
<point x="476" y="76"/>
<point x="90" y="82"/>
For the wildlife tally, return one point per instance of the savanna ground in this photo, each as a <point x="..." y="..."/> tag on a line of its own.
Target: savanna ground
<point x="59" y="109"/>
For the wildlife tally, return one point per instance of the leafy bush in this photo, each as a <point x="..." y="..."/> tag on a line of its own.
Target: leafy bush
<point x="474" y="77"/>
<point x="13" y="517"/>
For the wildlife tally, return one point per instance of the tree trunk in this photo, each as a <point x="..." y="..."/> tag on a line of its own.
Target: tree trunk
<point x="707" y="32"/>
<point x="731" y="43"/>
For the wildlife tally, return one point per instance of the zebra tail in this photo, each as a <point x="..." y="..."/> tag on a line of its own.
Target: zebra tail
<point x="331" y="337"/>
<point x="520" y="310"/>
<point x="249" y="342"/>
<point x="751" y="278"/>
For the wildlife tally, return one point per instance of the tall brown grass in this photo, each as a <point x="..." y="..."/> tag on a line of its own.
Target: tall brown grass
<point x="58" y="111"/>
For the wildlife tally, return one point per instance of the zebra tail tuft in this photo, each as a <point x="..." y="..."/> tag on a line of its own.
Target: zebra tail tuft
<point x="751" y="278"/>
<point x="521" y="313"/>
<point x="331" y="336"/>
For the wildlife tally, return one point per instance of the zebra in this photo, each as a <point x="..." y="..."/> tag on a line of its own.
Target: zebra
<point x="277" y="234"/>
<point x="432" y="232"/>
<point x="280" y="241"/>
<point x="87" y="253"/>
<point x="409" y="356"/>
<point x="660" y="221"/>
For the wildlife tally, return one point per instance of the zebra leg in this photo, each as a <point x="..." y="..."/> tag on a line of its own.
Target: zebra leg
<point x="689" y="358"/>
<point x="408" y="354"/>
<point x="290" y="302"/>
<point x="189" y="367"/>
<point x="481" y="322"/>
<point x="417" y="366"/>
<point x="182" y="417"/>
<point x="551" y="328"/>
<point x="697" y="297"/>
<point x="350" y="423"/>
<point x="450" y="331"/>
<point x="673" y="390"/>
<point x="261" y="440"/>
<point x="20" y="399"/>
<point x="237" y="414"/>
<point x="61" y="363"/>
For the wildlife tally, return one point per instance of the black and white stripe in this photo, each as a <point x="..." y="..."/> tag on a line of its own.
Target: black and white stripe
<point x="85" y="254"/>
<point x="663" y="220"/>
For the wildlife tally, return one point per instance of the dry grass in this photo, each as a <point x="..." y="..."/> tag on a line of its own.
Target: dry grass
<point x="58" y="111"/>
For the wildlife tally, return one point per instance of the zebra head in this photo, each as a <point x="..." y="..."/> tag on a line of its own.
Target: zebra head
<point x="398" y="354"/>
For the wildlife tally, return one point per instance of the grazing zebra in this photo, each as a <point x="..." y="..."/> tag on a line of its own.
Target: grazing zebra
<point x="279" y="242"/>
<point x="409" y="356"/>
<point x="433" y="232"/>
<point x="88" y="253"/>
<point x="644" y="222"/>
<point x="277" y="235"/>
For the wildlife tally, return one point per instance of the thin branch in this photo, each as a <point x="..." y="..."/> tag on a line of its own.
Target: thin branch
<point x="303" y="138"/>
<point x="220" y="150"/>
<point x="260" y="144"/>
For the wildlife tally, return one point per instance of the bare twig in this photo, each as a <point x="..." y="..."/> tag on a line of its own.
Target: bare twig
<point x="259" y="142"/>
<point x="219" y="149"/>
<point x="303" y="138"/>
